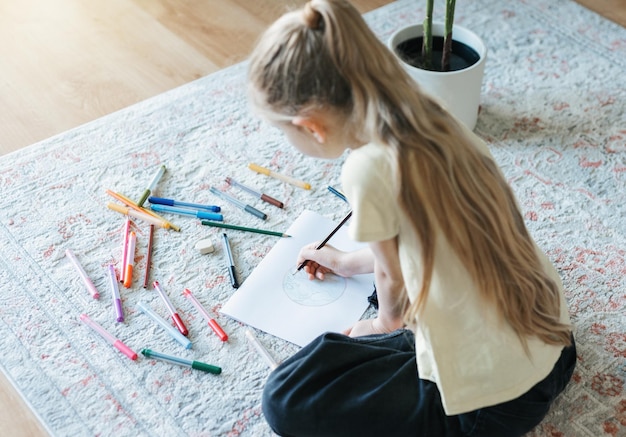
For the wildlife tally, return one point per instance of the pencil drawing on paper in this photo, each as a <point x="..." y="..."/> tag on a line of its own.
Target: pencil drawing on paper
<point x="305" y="292"/>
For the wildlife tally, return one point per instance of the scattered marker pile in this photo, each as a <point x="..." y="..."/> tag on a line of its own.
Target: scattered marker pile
<point x="210" y="216"/>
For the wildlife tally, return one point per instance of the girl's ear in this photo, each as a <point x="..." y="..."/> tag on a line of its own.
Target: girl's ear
<point x="312" y="126"/>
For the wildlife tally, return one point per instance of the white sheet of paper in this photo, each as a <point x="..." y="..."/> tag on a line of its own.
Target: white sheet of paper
<point x="292" y="307"/>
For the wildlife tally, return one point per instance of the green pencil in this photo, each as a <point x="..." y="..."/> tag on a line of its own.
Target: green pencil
<point x="242" y="228"/>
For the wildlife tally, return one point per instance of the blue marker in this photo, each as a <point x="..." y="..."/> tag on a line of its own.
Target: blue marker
<point x="185" y="211"/>
<point x="171" y="202"/>
<point x="337" y="193"/>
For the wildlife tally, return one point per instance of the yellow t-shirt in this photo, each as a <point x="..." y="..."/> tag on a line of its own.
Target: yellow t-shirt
<point x="475" y="360"/>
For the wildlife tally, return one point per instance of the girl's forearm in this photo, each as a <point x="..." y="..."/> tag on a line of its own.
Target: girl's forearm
<point x="359" y="262"/>
<point x="390" y="299"/>
<point x="389" y="284"/>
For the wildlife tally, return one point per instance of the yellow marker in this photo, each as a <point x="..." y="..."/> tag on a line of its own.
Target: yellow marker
<point x="283" y="178"/>
<point x="139" y="215"/>
<point x="126" y="201"/>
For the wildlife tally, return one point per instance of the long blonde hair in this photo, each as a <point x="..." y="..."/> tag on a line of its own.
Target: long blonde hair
<point x="326" y="56"/>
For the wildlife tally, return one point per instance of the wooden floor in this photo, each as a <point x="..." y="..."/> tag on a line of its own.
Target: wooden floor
<point x="67" y="62"/>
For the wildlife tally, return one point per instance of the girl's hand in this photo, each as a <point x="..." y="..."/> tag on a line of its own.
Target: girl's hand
<point x="322" y="261"/>
<point x="331" y="260"/>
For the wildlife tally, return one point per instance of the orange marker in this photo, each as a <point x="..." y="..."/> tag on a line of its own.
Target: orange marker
<point x="282" y="177"/>
<point x="125" y="249"/>
<point x="129" y="203"/>
<point x="130" y="260"/>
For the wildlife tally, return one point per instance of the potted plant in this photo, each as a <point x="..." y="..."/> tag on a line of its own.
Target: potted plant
<point x="446" y="60"/>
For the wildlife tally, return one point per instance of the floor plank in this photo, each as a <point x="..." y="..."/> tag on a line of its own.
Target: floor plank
<point x="614" y="10"/>
<point x="72" y="61"/>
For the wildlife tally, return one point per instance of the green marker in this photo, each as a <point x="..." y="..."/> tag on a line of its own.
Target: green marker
<point x="152" y="186"/>
<point x="242" y="228"/>
<point x="148" y="353"/>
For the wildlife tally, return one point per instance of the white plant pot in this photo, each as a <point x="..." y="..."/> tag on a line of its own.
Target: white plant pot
<point x="458" y="91"/>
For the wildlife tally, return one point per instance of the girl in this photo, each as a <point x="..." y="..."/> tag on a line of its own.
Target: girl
<point x="472" y="335"/>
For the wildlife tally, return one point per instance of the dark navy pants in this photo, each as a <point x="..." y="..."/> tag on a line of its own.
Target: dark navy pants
<point x="368" y="386"/>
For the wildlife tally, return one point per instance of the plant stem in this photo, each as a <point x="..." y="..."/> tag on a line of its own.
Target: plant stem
<point x="447" y="44"/>
<point x="427" y="40"/>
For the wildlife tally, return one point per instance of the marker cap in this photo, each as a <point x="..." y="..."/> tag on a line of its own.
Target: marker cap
<point x="143" y="197"/>
<point x="161" y="200"/>
<point x="218" y="330"/>
<point x="252" y="210"/>
<point x="206" y="367"/>
<point x="125" y="350"/>
<point x="210" y="216"/>
<point x="179" y="324"/>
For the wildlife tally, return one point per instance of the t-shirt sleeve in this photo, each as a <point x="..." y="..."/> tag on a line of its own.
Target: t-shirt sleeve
<point x="368" y="180"/>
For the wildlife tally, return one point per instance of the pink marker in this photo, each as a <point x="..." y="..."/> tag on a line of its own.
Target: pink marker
<point x="115" y="294"/>
<point x="108" y="337"/>
<point x="212" y="322"/>
<point x="130" y="260"/>
<point x="177" y="320"/>
<point x="88" y="283"/>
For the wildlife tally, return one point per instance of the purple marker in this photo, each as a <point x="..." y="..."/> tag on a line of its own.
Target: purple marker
<point x="115" y="293"/>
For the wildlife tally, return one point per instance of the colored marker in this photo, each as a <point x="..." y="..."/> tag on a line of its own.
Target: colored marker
<point x="148" y="353"/>
<point x="130" y="260"/>
<point x="115" y="294"/>
<point x="185" y="211"/>
<point x="243" y="228"/>
<point x="108" y="337"/>
<point x="265" y="354"/>
<point x="337" y="193"/>
<point x="212" y="322"/>
<point x="139" y="215"/>
<point x="148" y="257"/>
<point x="323" y="243"/>
<point x="125" y="248"/>
<point x="129" y="203"/>
<point x="177" y="320"/>
<point x="239" y="203"/>
<point x="155" y="180"/>
<point x="171" y="202"/>
<point x="83" y="275"/>
<point x="165" y="325"/>
<point x="263" y="197"/>
<point x="231" y="263"/>
<point x="289" y="180"/>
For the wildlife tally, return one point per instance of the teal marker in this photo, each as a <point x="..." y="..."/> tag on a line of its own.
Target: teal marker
<point x="337" y="193"/>
<point x="148" y="353"/>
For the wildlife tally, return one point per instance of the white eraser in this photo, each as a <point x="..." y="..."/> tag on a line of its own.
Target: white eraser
<point x="204" y="246"/>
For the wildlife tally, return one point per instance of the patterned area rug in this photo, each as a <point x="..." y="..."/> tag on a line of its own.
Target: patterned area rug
<point x="552" y="113"/>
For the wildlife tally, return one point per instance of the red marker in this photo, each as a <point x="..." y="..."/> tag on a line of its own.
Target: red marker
<point x="212" y="322"/>
<point x="149" y="257"/>
<point x="177" y="320"/>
